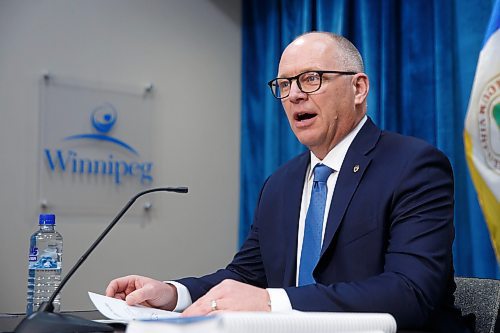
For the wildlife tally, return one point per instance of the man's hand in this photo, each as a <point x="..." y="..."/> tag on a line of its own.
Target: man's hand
<point x="230" y="295"/>
<point x="135" y="289"/>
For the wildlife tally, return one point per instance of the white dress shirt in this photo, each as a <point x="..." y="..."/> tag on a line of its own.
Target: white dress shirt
<point x="334" y="159"/>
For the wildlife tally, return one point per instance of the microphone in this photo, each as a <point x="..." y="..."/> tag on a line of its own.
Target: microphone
<point x="44" y="320"/>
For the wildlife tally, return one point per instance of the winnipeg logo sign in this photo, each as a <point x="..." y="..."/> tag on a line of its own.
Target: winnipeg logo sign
<point x="69" y="162"/>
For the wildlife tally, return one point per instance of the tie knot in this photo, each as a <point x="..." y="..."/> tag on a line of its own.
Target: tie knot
<point x="321" y="173"/>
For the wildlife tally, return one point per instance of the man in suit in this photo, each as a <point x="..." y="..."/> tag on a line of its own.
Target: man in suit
<point x="363" y="222"/>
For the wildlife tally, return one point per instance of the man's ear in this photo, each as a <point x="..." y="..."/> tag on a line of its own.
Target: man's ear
<point x="361" y="86"/>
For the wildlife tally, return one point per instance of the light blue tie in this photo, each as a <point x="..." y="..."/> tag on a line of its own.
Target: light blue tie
<point x="313" y="230"/>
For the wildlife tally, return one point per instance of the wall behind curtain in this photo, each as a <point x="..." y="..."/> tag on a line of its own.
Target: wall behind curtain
<point x="183" y="48"/>
<point x="420" y="57"/>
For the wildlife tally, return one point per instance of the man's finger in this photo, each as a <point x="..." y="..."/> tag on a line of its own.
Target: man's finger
<point x="121" y="296"/>
<point x="201" y="307"/>
<point x="214" y="305"/>
<point x="214" y="313"/>
<point x="113" y="288"/>
<point x="136" y="297"/>
<point x="145" y="293"/>
<point x="195" y="309"/>
<point x="118" y="285"/>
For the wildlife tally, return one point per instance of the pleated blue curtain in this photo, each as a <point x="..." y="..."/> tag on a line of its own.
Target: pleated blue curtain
<point x="420" y="57"/>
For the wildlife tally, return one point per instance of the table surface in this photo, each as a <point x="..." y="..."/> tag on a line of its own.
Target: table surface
<point x="8" y="322"/>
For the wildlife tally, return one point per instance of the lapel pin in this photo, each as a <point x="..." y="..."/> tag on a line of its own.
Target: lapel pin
<point x="356" y="168"/>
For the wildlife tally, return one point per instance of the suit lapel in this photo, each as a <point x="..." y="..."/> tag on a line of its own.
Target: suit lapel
<point x="356" y="162"/>
<point x="347" y="184"/>
<point x="292" y="201"/>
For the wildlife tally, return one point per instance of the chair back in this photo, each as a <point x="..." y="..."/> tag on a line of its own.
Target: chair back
<point x="480" y="297"/>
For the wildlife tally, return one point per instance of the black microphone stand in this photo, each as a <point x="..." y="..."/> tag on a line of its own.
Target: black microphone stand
<point x="44" y="320"/>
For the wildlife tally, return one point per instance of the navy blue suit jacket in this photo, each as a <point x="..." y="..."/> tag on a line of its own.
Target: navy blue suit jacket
<point x="388" y="239"/>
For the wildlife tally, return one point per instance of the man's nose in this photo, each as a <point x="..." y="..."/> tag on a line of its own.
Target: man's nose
<point x="295" y="93"/>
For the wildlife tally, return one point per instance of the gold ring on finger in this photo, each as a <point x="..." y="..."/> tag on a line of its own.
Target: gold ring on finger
<point x="213" y="305"/>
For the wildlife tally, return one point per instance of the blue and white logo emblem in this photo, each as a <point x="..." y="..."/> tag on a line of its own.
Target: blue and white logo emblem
<point x="103" y="118"/>
<point x="98" y="161"/>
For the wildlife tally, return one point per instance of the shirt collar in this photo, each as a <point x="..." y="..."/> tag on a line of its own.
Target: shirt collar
<point x="335" y="157"/>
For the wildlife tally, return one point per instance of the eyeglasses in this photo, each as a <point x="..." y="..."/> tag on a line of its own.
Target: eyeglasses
<point x="308" y="82"/>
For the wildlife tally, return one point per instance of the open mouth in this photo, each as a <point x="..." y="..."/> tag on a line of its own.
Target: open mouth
<point x="304" y="116"/>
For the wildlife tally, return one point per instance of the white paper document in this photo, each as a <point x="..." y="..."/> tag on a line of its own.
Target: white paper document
<point x="143" y="319"/>
<point x="265" y="322"/>
<point x="119" y="310"/>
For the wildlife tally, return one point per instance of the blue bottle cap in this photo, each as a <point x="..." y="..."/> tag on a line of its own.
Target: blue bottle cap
<point x="47" y="219"/>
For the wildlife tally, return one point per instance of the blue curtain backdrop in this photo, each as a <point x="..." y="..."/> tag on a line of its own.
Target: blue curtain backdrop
<point x="420" y="56"/>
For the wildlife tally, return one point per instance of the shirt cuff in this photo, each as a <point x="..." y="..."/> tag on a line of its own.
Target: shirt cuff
<point x="279" y="300"/>
<point x="183" y="296"/>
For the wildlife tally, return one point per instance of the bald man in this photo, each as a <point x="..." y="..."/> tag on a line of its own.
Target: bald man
<point x="362" y="222"/>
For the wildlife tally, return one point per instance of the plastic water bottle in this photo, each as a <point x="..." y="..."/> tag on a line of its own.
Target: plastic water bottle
<point x="44" y="268"/>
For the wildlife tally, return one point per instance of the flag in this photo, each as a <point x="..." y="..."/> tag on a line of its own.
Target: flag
<point x="482" y="129"/>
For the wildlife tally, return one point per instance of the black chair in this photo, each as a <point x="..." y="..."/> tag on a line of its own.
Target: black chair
<point x="481" y="298"/>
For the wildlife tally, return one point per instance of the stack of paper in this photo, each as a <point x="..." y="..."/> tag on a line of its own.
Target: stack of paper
<point x="142" y="319"/>
<point x="118" y="310"/>
<point x="252" y="322"/>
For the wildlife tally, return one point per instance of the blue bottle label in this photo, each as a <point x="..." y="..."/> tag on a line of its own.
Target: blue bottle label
<point x="46" y="260"/>
<point x="33" y="256"/>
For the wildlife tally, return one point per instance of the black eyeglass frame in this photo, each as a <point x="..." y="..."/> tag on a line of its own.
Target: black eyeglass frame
<point x="296" y="78"/>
